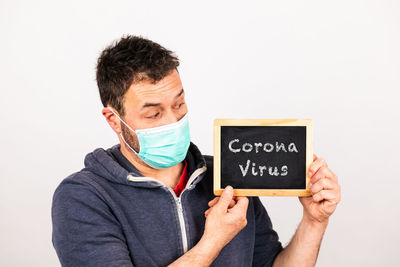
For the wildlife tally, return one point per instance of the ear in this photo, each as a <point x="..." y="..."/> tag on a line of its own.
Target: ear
<point x="112" y="120"/>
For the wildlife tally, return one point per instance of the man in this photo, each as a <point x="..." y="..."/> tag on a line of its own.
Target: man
<point x="148" y="201"/>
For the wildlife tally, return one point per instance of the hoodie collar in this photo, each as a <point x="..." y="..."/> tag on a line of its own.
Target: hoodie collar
<point x="103" y="163"/>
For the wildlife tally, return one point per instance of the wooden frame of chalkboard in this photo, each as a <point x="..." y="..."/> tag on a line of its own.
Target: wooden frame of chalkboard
<point x="283" y="129"/>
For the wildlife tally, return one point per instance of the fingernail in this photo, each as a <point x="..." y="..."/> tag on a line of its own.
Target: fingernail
<point x="228" y="188"/>
<point x="310" y="173"/>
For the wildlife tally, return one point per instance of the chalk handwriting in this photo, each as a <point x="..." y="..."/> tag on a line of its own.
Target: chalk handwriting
<point x="235" y="147"/>
<point x="263" y="169"/>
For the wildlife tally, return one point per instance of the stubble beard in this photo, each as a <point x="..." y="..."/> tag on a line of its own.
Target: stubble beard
<point x="132" y="142"/>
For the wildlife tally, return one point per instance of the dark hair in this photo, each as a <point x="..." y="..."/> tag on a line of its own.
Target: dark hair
<point x="129" y="60"/>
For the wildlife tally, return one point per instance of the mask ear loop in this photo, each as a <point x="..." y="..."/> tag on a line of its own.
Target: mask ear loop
<point x="123" y="139"/>
<point x="122" y="120"/>
<point x="121" y="132"/>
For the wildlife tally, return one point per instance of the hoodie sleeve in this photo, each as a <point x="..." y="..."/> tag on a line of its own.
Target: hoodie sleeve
<point x="267" y="245"/>
<point x="85" y="231"/>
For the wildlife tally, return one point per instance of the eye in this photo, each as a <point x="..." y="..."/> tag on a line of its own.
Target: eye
<point x="179" y="105"/>
<point x="154" y="116"/>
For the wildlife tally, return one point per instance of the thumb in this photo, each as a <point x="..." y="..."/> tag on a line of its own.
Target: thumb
<point x="225" y="199"/>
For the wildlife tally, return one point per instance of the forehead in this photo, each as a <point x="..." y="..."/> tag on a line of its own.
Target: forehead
<point x="162" y="91"/>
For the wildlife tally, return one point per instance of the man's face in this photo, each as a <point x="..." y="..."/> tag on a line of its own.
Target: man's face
<point x="150" y="105"/>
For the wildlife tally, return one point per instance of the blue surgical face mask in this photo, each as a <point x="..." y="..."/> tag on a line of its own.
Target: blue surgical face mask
<point x="163" y="146"/>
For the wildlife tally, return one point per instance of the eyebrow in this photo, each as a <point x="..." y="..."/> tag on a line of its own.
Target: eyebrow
<point x="158" y="104"/>
<point x="180" y="93"/>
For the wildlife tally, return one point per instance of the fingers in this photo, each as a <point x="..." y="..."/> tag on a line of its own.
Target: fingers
<point x="318" y="163"/>
<point x="228" y="203"/>
<point x="241" y="205"/>
<point x="207" y="212"/>
<point x="225" y="199"/>
<point x="322" y="184"/>
<point x="323" y="172"/>
<point x="319" y="169"/>
<point x="241" y="201"/>
<point x="212" y="202"/>
<point x="233" y="203"/>
<point x="328" y="195"/>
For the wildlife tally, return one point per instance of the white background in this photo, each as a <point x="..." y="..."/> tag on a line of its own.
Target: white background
<point x="336" y="62"/>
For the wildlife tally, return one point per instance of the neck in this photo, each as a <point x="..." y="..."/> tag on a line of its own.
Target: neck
<point x="168" y="176"/>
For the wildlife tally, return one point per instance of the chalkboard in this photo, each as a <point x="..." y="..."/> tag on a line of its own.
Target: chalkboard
<point x="262" y="157"/>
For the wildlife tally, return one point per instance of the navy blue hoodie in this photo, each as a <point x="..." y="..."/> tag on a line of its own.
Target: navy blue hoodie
<point x="110" y="215"/>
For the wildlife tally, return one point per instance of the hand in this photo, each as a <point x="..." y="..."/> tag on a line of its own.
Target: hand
<point x="325" y="191"/>
<point x="226" y="217"/>
<point x="211" y="203"/>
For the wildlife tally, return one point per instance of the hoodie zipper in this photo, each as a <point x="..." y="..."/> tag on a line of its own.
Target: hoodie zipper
<point x="178" y="202"/>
